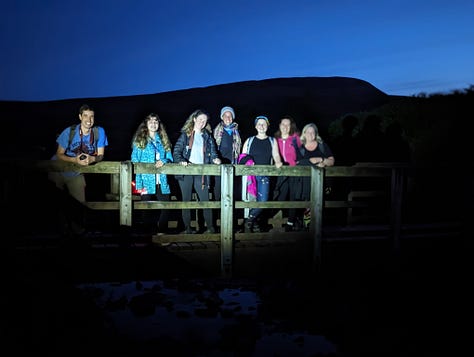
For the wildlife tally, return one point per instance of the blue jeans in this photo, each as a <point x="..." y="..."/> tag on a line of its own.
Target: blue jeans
<point x="263" y="190"/>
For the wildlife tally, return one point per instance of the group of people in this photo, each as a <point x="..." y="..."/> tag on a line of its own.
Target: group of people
<point x="198" y="144"/>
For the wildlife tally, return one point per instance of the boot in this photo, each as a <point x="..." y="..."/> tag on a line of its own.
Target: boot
<point x="248" y="225"/>
<point x="298" y="225"/>
<point x="256" y="227"/>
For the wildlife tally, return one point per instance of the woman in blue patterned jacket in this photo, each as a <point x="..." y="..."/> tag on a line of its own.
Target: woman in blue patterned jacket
<point x="151" y="144"/>
<point x="196" y="145"/>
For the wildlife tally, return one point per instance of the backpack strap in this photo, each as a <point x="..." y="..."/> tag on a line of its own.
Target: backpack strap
<point x="298" y="150"/>
<point x="72" y="132"/>
<point x="272" y="142"/>
<point x="249" y="144"/>
<point x="95" y="130"/>
<point x="322" y="148"/>
<point x="300" y="153"/>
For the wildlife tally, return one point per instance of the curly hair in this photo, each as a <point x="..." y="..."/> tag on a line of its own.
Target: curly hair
<point x="141" y="134"/>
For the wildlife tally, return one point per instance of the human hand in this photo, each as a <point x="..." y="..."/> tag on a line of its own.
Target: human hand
<point x="321" y="163"/>
<point x="184" y="163"/>
<point x="318" y="161"/>
<point x="217" y="161"/>
<point x="82" y="159"/>
<point x="159" y="164"/>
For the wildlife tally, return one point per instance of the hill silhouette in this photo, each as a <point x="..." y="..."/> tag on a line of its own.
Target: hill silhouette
<point x="308" y="99"/>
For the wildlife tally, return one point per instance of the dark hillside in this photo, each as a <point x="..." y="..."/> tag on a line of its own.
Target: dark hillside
<point x="317" y="99"/>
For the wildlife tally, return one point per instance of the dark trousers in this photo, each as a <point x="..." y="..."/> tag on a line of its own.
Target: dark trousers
<point x="164" y="214"/>
<point x="186" y="185"/>
<point x="286" y="189"/>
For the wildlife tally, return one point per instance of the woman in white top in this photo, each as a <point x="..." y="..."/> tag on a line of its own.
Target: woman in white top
<point x="195" y="146"/>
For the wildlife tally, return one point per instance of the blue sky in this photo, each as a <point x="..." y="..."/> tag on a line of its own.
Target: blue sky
<point x="61" y="49"/>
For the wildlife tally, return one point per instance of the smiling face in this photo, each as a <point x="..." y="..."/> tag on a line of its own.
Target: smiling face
<point x="87" y="119"/>
<point x="200" y="122"/>
<point x="310" y="134"/>
<point x="227" y="118"/>
<point x="285" y="126"/>
<point x="261" y="125"/>
<point x="153" y="124"/>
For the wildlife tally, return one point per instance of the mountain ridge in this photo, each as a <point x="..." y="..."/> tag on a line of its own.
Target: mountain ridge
<point x="307" y="99"/>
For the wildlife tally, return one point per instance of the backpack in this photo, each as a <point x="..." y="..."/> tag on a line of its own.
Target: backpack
<point x="301" y="150"/>
<point x="72" y="132"/>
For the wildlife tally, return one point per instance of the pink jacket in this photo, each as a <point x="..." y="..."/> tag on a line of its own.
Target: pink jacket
<point x="251" y="181"/>
<point x="287" y="149"/>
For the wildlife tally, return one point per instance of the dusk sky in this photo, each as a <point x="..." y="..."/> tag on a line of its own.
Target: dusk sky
<point x="64" y="49"/>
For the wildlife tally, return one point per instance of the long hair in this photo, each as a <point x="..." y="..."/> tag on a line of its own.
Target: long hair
<point x="293" y="127"/>
<point x="316" y="131"/>
<point x="140" y="138"/>
<point x="189" y="123"/>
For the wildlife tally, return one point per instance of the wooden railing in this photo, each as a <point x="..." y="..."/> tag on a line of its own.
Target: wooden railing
<point x="121" y="197"/>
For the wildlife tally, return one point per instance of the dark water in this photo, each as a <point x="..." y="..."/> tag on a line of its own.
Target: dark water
<point x="364" y="300"/>
<point x="200" y="318"/>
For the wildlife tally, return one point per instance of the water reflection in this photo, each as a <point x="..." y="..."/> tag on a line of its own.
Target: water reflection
<point x="198" y="318"/>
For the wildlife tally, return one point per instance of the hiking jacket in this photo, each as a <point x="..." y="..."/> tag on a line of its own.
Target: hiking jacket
<point x="182" y="151"/>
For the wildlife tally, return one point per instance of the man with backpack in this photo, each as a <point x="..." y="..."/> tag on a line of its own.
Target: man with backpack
<point x="82" y="144"/>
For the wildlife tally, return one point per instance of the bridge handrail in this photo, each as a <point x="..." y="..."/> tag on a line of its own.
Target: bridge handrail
<point x="122" y="173"/>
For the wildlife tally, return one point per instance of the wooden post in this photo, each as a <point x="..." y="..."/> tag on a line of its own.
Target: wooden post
<point x="397" y="187"/>
<point x="126" y="204"/>
<point x="227" y="212"/>
<point x="315" y="227"/>
<point x="114" y="184"/>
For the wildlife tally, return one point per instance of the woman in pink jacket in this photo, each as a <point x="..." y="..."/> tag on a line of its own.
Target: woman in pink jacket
<point x="288" y="139"/>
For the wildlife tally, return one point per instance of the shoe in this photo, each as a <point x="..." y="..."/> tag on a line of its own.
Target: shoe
<point x="210" y="230"/>
<point x="248" y="226"/>
<point x="298" y="226"/>
<point x="188" y="230"/>
<point x="256" y="228"/>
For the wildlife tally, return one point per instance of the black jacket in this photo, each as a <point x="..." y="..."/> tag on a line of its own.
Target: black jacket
<point x="182" y="150"/>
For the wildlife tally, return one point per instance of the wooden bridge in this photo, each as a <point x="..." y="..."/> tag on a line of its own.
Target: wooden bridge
<point x="391" y="186"/>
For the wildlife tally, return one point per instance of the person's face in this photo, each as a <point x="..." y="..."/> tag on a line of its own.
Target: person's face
<point x="153" y="125"/>
<point x="87" y="118"/>
<point x="261" y="126"/>
<point x="310" y="134"/>
<point x="285" y="126"/>
<point x="227" y="118"/>
<point x="200" y="122"/>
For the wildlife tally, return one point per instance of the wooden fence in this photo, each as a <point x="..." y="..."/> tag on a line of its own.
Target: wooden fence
<point x="121" y="198"/>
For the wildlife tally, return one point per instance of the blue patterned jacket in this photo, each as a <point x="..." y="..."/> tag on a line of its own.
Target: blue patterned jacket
<point x="148" y="155"/>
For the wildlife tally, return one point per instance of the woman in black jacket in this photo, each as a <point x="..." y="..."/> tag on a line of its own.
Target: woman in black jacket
<point x="196" y="145"/>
